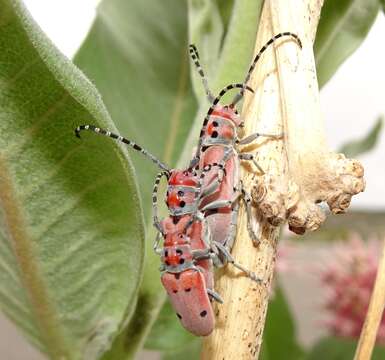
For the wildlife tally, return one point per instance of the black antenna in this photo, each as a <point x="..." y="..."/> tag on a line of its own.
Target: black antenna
<point x="123" y="140"/>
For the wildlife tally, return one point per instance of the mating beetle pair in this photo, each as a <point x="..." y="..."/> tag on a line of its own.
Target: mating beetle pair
<point x="203" y="203"/>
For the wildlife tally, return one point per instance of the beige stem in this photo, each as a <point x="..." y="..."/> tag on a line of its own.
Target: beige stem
<point x="240" y="320"/>
<point x="374" y="315"/>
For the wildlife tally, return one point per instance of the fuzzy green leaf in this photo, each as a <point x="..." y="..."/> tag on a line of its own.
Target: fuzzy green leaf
<point x="367" y="143"/>
<point x="343" y="26"/>
<point x="137" y="55"/>
<point x="71" y="226"/>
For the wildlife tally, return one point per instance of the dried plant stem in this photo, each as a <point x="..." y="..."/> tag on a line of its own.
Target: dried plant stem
<point x="240" y="320"/>
<point x="374" y="314"/>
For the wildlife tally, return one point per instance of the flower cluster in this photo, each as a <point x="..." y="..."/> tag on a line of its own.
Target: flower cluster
<point x="349" y="279"/>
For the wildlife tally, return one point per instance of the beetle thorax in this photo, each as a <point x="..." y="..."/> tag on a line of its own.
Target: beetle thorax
<point x="182" y="192"/>
<point x="222" y="127"/>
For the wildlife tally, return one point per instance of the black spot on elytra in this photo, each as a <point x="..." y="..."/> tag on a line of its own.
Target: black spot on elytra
<point x="182" y="203"/>
<point x="180" y="193"/>
<point x="187" y="290"/>
<point x="203" y="313"/>
<point x="214" y="134"/>
<point x="181" y="261"/>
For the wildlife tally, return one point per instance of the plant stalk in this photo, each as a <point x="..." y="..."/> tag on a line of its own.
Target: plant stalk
<point x="240" y="320"/>
<point x="374" y="315"/>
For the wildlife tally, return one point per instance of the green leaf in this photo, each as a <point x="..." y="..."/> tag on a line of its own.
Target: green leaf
<point x="137" y="55"/>
<point x="280" y="329"/>
<point x="234" y="59"/>
<point x="365" y="223"/>
<point x="339" y="349"/>
<point x="71" y="239"/>
<point x="343" y="26"/>
<point x="189" y="352"/>
<point x="225" y="8"/>
<point x="167" y="334"/>
<point x="367" y="143"/>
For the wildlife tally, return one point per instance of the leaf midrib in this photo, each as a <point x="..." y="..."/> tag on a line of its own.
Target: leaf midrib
<point x="30" y="273"/>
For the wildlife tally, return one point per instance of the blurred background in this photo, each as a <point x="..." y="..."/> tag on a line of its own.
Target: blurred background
<point x="352" y="102"/>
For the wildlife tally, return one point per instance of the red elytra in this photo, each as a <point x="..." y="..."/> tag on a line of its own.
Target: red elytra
<point x="185" y="279"/>
<point x="188" y="295"/>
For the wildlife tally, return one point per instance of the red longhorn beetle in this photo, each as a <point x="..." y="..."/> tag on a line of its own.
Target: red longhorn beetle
<point x="218" y="142"/>
<point x="187" y="269"/>
<point x="188" y="252"/>
<point x="188" y="279"/>
<point x="184" y="193"/>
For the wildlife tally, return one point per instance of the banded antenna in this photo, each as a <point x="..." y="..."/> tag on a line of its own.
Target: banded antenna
<point x="119" y="138"/>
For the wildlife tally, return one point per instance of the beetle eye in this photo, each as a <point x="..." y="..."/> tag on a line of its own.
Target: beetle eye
<point x="180" y="193"/>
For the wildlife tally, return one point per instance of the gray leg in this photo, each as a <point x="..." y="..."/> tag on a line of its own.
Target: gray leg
<point x="229" y="259"/>
<point x="221" y="172"/>
<point x="201" y="254"/>
<point x="247" y="200"/>
<point x="214" y="295"/>
<point x="248" y="139"/>
<point x="250" y="157"/>
<point x="221" y="203"/>
<point x="228" y="243"/>
<point x="156" y="247"/>
<point x="220" y="254"/>
<point x="212" y="188"/>
<point x="155" y="218"/>
<point x="217" y="205"/>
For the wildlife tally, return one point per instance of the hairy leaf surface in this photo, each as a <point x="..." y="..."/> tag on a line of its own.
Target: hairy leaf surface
<point x="70" y="220"/>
